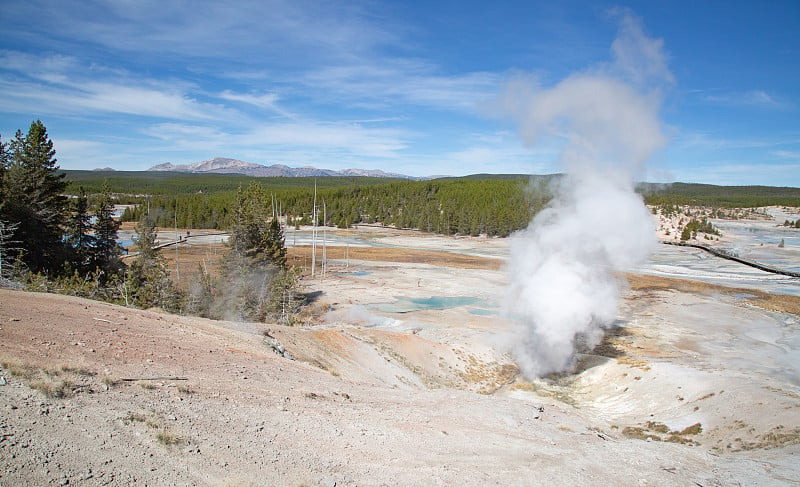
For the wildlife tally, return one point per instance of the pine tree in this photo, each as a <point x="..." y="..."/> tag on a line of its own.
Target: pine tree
<point x="275" y="244"/>
<point x="147" y="279"/>
<point x="81" y="241"/>
<point x="33" y="199"/>
<point x="107" y="250"/>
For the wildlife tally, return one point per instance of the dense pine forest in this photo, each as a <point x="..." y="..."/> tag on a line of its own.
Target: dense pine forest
<point x="719" y="196"/>
<point x="495" y="205"/>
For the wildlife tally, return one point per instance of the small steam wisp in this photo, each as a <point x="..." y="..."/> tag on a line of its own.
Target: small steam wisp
<point x="562" y="286"/>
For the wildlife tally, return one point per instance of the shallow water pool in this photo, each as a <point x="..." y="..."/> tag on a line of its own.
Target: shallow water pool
<point x="405" y="304"/>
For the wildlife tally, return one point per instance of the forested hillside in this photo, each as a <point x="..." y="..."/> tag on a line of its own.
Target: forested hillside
<point x="496" y="205"/>
<point x="719" y="196"/>
<point x="464" y="207"/>
<point x="130" y="186"/>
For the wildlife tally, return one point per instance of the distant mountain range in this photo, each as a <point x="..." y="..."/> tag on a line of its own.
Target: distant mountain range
<point x="222" y="165"/>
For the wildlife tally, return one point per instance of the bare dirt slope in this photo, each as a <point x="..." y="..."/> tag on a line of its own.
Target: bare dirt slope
<point x="247" y="416"/>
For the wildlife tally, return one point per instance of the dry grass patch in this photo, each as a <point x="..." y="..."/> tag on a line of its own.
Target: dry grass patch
<point x="18" y="369"/>
<point x="78" y="370"/>
<point x="167" y="437"/>
<point x="775" y="302"/>
<point x="656" y="431"/>
<point x="523" y="386"/>
<point x="54" y="388"/>
<point x="163" y="434"/>
<point x="51" y="383"/>
<point x="772" y="302"/>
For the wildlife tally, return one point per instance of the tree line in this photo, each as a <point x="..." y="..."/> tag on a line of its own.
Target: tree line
<point x="495" y="207"/>
<point x="719" y="196"/>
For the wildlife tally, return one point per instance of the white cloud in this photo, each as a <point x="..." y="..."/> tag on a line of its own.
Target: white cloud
<point x="404" y="81"/>
<point x="264" y="101"/>
<point x="62" y="85"/>
<point x="93" y="98"/>
<point x="305" y="30"/>
<point x="711" y="142"/>
<point x="267" y="101"/>
<point x="753" y="98"/>
<point x="786" y="154"/>
<point x="323" y="140"/>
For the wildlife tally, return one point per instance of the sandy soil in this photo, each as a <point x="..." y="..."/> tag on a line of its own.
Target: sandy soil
<point x="394" y="381"/>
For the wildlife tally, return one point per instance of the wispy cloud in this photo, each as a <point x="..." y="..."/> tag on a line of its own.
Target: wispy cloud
<point x="752" y="98"/>
<point x="327" y="140"/>
<point x="102" y="98"/>
<point x="713" y="142"/>
<point x="268" y="101"/>
<point x="404" y="81"/>
<point x="292" y="31"/>
<point x="61" y="85"/>
<point x="786" y="154"/>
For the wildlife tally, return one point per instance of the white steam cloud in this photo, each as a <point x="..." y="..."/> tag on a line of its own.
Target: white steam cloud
<point x="562" y="286"/>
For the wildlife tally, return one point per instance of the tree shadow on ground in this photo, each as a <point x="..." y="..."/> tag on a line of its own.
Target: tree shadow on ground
<point x="311" y="297"/>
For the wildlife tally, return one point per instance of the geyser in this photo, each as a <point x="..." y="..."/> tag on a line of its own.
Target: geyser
<point x="562" y="285"/>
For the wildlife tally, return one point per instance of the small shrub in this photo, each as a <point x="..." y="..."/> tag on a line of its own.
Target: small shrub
<point x="58" y="389"/>
<point x="694" y="429"/>
<point x="167" y="438"/>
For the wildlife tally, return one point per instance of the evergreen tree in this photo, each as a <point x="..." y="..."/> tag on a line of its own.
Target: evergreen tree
<point x="107" y="250"/>
<point x="275" y="244"/>
<point x="148" y="281"/>
<point x="254" y="282"/>
<point x="81" y="241"/>
<point x="33" y="199"/>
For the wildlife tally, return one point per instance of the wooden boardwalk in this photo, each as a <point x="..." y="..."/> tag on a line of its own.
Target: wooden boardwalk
<point x="735" y="258"/>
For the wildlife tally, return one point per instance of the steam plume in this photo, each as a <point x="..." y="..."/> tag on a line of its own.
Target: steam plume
<point x="562" y="286"/>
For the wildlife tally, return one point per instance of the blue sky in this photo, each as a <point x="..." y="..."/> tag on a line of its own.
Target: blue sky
<point x="408" y="87"/>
